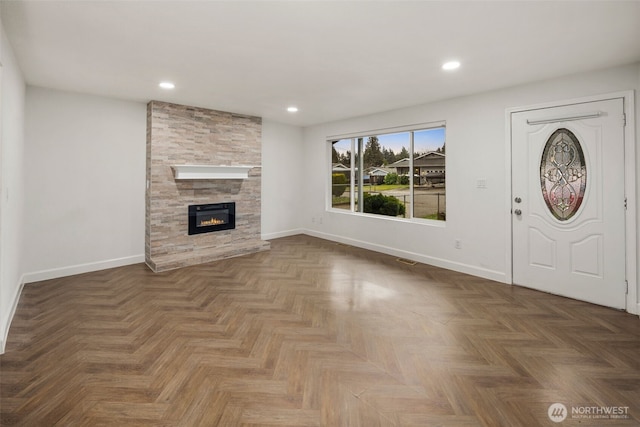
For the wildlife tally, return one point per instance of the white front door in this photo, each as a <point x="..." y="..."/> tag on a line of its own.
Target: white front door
<point x="568" y="201"/>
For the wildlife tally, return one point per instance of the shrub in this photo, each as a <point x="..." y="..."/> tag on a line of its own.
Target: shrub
<point x="383" y="205"/>
<point x="390" y="178"/>
<point x="404" y="180"/>
<point x="338" y="184"/>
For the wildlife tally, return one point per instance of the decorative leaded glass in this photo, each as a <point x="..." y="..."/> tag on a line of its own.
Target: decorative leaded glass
<point x="563" y="174"/>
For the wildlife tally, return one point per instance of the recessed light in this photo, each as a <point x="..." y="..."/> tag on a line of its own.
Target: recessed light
<point x="451" y="65"/>
<point x="167" y="85"/>
<point x="292" y="109"/>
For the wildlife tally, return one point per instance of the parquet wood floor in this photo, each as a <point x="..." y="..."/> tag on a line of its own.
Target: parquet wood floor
<point x="311" y="333"/>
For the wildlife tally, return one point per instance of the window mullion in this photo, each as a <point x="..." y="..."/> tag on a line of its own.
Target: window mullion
<point x="410" y="176"/>
<point x="352" y="174"/>
<point x="360" y="175"/>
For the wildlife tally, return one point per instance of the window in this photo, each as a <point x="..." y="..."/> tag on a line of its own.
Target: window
<point x="397" y="174"/>
<point x="341" y="174"/>
<point x="563" y="174"/>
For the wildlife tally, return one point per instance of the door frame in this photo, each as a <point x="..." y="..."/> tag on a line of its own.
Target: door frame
<point x="628" y="98"/>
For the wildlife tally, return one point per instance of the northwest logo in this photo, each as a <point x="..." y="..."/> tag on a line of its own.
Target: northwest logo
<point x="557" y="412"/>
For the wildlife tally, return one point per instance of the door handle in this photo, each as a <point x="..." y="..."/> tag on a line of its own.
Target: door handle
<point x="517" y="212"/>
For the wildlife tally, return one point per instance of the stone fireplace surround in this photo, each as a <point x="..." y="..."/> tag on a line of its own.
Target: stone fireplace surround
<point x="182" y="135"/>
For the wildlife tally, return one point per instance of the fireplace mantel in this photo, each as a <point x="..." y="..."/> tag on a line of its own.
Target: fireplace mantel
<point x="211" y="171"/>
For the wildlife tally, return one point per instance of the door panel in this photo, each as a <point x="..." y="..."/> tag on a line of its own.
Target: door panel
<point x="568" y="201"/>
<point x="542" y="249"/>
<point x="586" y="256"/>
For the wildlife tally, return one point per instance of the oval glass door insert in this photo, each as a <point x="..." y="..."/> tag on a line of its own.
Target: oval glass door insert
<point x="563" y="174"/>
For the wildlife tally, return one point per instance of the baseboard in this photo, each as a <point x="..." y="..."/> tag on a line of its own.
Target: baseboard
<point x="55" y="273"/>
<point x="12" y="311"/>
<point x="498" y="276"/>
<point x="287" y="233"/>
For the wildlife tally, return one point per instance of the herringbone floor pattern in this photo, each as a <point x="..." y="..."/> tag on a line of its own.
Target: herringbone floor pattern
<point x="311" y="333"/>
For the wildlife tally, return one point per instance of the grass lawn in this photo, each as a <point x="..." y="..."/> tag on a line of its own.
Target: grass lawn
<point x="383" y="187"/>
<point x="344" y="199"/>
<point x="433" y="216"/>
<point x="335" y="201"/>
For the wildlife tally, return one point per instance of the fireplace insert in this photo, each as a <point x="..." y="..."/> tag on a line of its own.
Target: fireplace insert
<point x="212" y="217"/>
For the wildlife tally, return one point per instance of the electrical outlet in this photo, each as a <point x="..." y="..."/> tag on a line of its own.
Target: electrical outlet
<point x="458" y="244"/>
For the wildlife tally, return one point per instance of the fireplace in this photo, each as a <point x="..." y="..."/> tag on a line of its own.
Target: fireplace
<point x="213" y="217"/>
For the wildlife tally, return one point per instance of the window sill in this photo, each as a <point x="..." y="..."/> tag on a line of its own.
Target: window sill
<point x="418" y="221"/>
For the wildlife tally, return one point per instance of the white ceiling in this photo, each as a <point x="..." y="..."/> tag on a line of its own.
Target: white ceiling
<point x="333" y="60"/>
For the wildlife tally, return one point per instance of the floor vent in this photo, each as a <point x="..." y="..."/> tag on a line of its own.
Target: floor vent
<point x="406" y="261"/>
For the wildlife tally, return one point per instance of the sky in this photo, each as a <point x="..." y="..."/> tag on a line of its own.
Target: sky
<point x="424" y="140"/>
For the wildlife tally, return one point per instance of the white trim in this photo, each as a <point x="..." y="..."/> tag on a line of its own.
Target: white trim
<point x="497" y="276"/>
<point x="573" y="101"/>
<point x="390" y="130"/>
<point x="632" y="303"/>
<point x="421" y="221"/>
<point x="509" y="191"/>
<point x="633" y="300"/>
<point x="71" y="270"/>
<point x="12" y="312"/>
<point x="279" y="234"/>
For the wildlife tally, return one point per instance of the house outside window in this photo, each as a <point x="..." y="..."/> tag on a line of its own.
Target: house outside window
<point x="376" y="179"/>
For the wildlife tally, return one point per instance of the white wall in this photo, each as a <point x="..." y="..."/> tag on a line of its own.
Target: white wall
<point x="476" y="147"/>
<point x="283" y="178"/>
<point x="84" y="182"/>
<point x="12" y="104"/>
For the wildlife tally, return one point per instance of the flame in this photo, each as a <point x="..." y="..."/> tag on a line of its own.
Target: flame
<point x="212" y="221"/>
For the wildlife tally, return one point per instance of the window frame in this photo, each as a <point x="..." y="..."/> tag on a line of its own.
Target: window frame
<point x="357" y="154"/>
